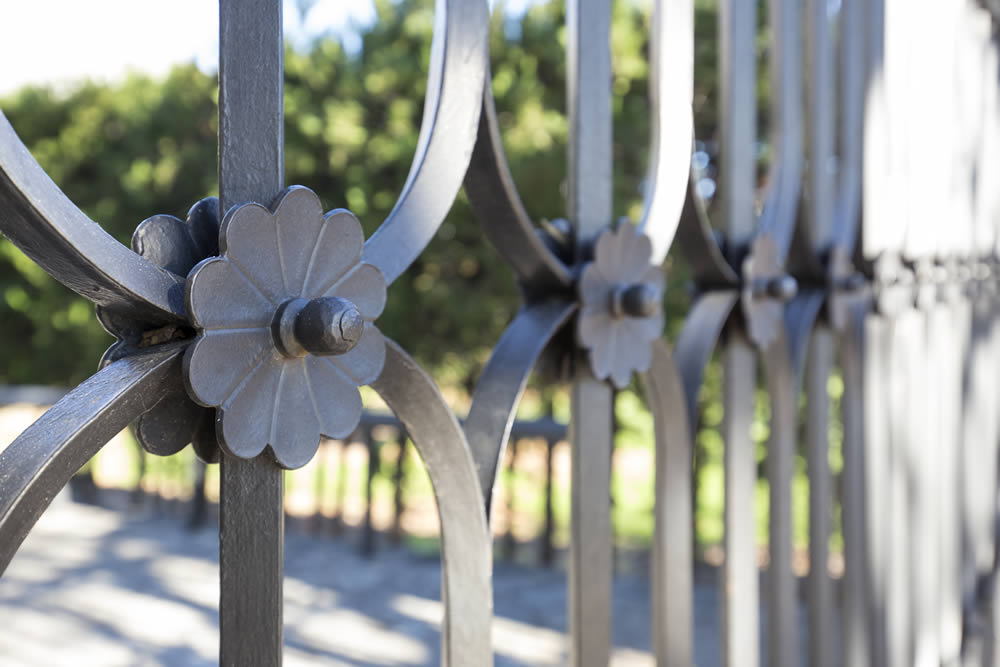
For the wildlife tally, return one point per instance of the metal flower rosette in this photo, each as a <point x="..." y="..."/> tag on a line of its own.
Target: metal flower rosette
<point x="621" y="305"/>
<point x="286" y="334"/>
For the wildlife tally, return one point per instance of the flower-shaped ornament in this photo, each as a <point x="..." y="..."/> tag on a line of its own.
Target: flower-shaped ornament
<point x="285" y="328"/>
<point x="766" y="289"/>
<point x="621" y="305"/>
<point x="175" y="245"/>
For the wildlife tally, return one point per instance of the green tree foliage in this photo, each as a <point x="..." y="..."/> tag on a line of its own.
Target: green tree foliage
<point x="129" y="150"/>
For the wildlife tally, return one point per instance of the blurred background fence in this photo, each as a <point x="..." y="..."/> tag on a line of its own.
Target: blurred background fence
<point x="342" y="494"/>
<point x="352" y="117"/>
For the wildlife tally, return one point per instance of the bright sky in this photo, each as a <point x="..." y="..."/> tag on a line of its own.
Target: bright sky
<point x="60" y="41"/>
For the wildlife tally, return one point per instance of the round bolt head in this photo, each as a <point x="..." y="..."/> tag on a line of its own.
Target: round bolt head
<point x="783" y="288"/>
<point x="328" y="326"/>
<point x="641" y="300"/>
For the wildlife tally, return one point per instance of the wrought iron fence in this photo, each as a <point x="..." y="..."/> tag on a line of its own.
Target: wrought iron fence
<point x="189" y="494"/>
<point x="247" y="329"/>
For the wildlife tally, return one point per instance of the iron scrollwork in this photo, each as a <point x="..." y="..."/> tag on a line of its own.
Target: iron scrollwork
<point x="176" y="246"/>
<point x="251" y="314"/>
<point x="257" y="332"/>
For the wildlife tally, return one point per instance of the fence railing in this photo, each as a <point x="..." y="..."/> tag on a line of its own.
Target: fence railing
<point x="871" y="246"/>
<point x="331" y="481"/>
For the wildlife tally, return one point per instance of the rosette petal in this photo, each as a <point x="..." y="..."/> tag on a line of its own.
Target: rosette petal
<point x="623" y="255"/>
<point x="170" y="425"/>
<point x="617" y="351"/>
<point x="619" y="336"/>
<point x="644" y="329"/>
<point x="654" y="277"/>
<point x="244" y="420"/>
<point x="219" y="361"/>
<point x="636" y="335"/>
<point x="364" y="286"/>
<point x="176" y="246"/>
<point x="335" y="397"/>
<point x="295" y="426"/>
<point x="248" y="237"/>
<point x="223" y="297"/>
<point x="602" y="357"/>
<point x="164" y="240"/>
<point x="336" y="249"/>
<point x="592" y="325"/>
<point x="364" y="362"/>
<point x="594" y="288"/>
<point x="298" y="218"/>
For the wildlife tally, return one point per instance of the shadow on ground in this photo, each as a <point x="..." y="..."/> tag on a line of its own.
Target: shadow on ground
<point x="91" y="586"/>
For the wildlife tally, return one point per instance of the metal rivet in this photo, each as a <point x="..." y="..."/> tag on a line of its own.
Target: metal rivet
<point x="638" y="300"/>
<point x="325" y="326"/>
<point x="782" y="288"/>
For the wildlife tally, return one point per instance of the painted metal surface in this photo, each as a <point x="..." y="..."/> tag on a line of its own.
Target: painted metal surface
<point x="466" y="542"/>
<point x="175" y="245"/>
<point x="498" y="392"/>
<point x="589" y="210"/>
<point x="285" y="320"/>
<point x="878" y="108"/>
<point x="672" y="590"/>
<point x="671" y="89"/>
<point x="251" y="168"/>
<point x="41" y="221"/>
<point x="52" y="449"/>
<point x="458" y="66"/>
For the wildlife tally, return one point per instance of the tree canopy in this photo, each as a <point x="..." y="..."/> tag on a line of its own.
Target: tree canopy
<point x="132" y="149"/>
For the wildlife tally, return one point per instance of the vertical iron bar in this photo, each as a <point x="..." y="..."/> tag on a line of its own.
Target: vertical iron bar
<point x="588" y="82"/>
<point x="590" y="523"/>
<point x="820" y="76"/>
<point x="947" y="343"/>
<point x="786" y="120"/>
<point x="399" y="479"/>
<point x="855" y="612"/>
<point x="740" y="592"/>
<point x="340" y="488"/>
<point x="877" y="421"/>
<point x="782" y="600"/>
<point x="925" y="452"/>
<point x="318" y="488"/>
<point x="982" y="476"/>
<point x="672" y="581"/>
<point x="251" y="516"/>
<point x="737" y="92"/>
<point x="820" y="213"/>
<point x="548" y="551"/>
<point x="199" y="501"/>
<point x="818" y="369"/>
<point x="368" y="528"/>
<point x="509" y="544"/>
<point x="899" y="591"/>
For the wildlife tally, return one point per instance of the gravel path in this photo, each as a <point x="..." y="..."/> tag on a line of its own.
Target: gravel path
<point x="92" y="586"/>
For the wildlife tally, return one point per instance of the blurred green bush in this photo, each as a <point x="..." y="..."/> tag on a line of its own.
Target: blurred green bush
<point x="129" y="150"/>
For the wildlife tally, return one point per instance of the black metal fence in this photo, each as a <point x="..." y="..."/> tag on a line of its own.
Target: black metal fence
<point x="870" y="243"/>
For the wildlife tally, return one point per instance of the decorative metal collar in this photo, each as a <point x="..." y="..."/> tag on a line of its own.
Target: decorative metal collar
<point x="845" y="286"/>
<point x="621" y="305"/>
<point x="766" y="289"/>
<point x="175" y="245"/>
<point x="285" y="327"/>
